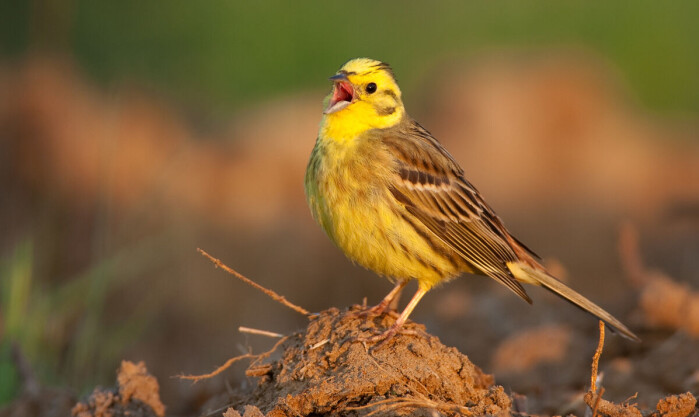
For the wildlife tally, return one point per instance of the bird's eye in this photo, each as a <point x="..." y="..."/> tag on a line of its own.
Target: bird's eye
<point x="371" y="88"/>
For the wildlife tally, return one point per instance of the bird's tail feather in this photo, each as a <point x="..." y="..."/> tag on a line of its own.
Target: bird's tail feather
<point x="531" y="275"/>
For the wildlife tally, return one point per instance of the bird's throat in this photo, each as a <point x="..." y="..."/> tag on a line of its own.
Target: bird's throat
<point x="352" y="122"/>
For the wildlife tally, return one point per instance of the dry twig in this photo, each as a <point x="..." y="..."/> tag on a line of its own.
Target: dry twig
<point x="231" y="361"/>
<point x="594" y="400"/>
<point x="273" y="295"/>
<point x="599" y="397"/>
<point x="595" y="359"/>
<point x="609" y="408"/>
<point x="243" y="329"/>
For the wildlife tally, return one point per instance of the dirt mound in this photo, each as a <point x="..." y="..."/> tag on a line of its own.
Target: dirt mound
<point x="327" y="370"/>
<point x="137" y="395"/>
<point x="677" y="405"/>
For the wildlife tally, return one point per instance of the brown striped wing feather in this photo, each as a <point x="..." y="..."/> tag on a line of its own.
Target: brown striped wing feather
<point x="431" y="186"/>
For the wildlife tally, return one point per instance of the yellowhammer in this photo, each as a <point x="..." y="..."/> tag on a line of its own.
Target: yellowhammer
<point x="395" y="201"/>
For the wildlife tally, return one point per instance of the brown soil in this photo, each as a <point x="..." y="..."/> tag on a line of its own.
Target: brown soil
<point x="326" y="370"/>
<point x="677" y="405"/>
<point x="137" y="395"/>
<point x="682" y="405"/>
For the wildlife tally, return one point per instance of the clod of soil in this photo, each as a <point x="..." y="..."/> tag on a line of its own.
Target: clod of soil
<point x="682" y="405"/>
<point x="327" y="370"/>
<point x="137" y="395"/>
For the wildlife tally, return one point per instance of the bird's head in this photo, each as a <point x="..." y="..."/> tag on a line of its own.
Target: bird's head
<point x="365" y="96"/>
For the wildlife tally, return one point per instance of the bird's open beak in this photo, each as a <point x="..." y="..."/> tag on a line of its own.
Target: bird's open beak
<point x="343" y="94"/>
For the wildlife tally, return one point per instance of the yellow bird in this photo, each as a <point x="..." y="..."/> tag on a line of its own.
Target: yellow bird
<point x="396" y="202"/>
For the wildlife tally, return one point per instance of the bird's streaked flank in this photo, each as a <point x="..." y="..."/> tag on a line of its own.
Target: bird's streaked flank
<point x="395" y="201"/>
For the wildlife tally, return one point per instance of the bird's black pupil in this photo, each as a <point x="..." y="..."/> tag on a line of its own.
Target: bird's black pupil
<point x="370" y="88"/>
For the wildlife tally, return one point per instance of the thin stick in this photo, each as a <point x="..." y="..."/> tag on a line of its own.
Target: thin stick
<point x="231" y="361"/>
<point x="243" y="329"/>
<point x="595" y="358"/>
<point x="273" y="295"/>
<point x="599" y="397"/>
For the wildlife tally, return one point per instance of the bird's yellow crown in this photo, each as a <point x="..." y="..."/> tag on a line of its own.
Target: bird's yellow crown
<point x="365" y="96"/>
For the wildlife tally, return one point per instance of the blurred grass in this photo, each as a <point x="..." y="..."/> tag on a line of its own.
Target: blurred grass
<point x="15" y="283"/>
<point x="62" y="329"/>
<point x="232" y="53"/>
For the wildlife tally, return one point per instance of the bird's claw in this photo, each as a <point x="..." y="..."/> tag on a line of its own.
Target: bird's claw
<point x="383" y="337"/>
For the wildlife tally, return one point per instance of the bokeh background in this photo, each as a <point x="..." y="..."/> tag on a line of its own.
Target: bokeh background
<point x="133" y="133"/>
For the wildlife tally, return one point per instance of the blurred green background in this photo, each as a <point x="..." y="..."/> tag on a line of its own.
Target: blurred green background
<point x="230" y="53"/>
<point x="65" y="271"/>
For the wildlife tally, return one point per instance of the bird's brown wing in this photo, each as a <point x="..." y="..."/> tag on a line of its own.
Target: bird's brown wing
<point x="431" y="186"/>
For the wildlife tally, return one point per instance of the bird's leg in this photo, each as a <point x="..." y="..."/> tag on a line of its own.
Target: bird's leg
<point x="388" y="334"/>
<point x="387" y="300"/>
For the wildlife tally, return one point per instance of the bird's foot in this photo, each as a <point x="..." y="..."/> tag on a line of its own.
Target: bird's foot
<point x="383" y="337"/>
<point x="375" y="311"/>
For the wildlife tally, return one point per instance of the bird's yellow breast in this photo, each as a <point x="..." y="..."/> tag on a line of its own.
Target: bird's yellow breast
<point x="347" y="186"/>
